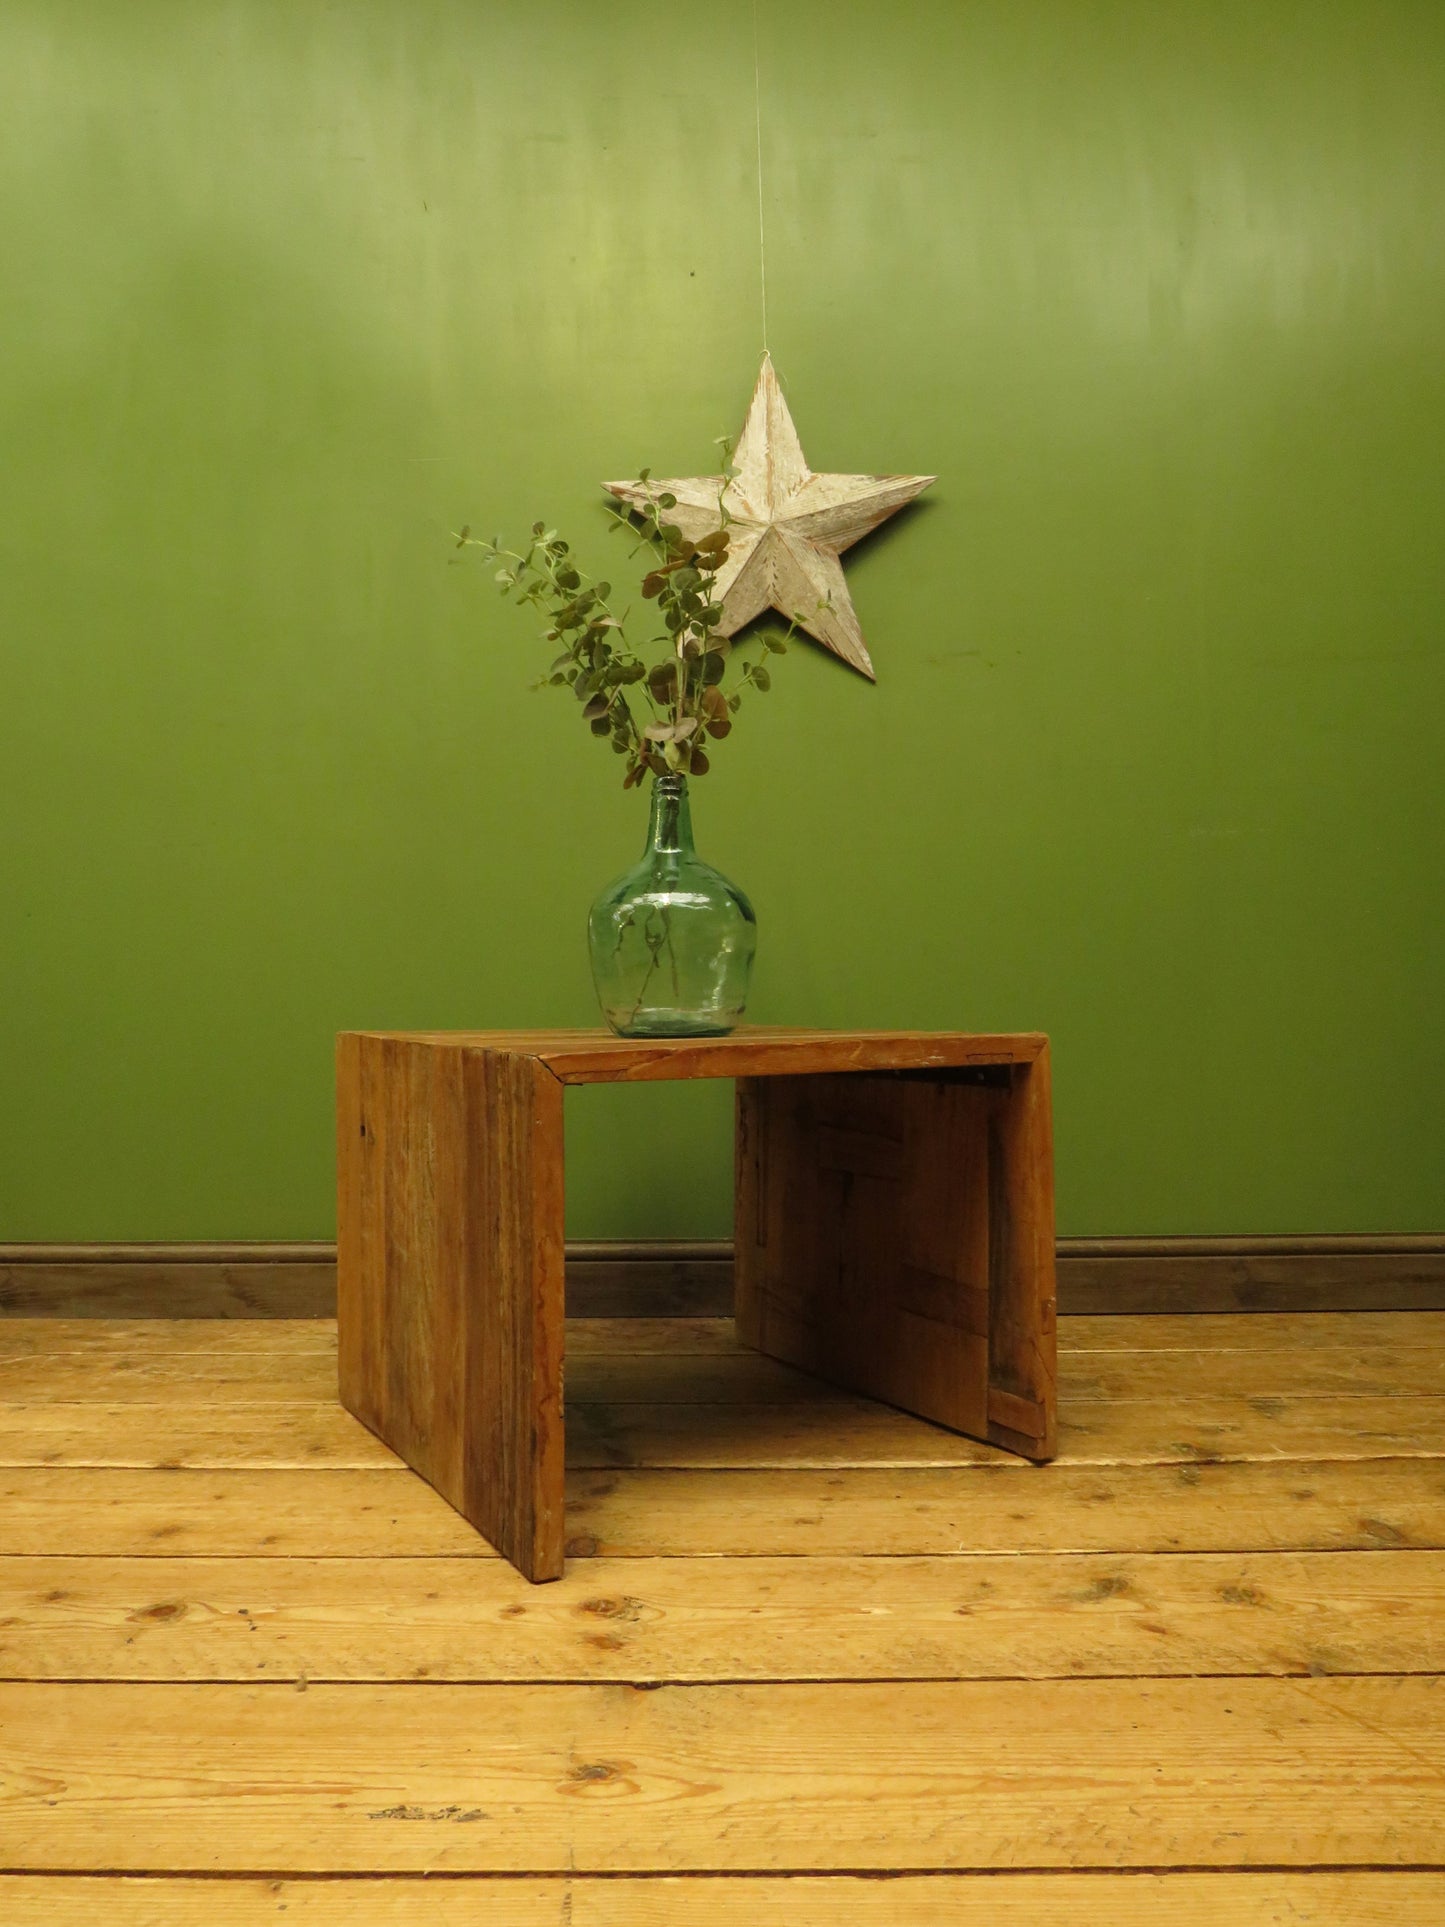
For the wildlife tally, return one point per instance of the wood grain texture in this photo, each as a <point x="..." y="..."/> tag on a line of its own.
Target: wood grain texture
<point x="1246" y="1275"/>
<point x="1365" y="1504"/>
<point x="1400" y="1336"/>
<point x="1297" y="1332"/>
<point x="828" y="1428"/>
<point x="450" y="1249"/>
<point x="215" y="1343"/>
<point x="1045" y="1617"/>
<point x="698" y="1370"/>
<point x="1022" y="1306"/>
<point x="450" y="1278"/>
<point x="598" y="1057"/>
<point x="650" y="1285"/>
<point x="678" y="1278"/>
<point x="188" y="1435"/>
<point x="1275" y="1899"/>
<point x="272" y="1251"/>
<point x="837" y="1431"/>
<point x="895" y="1235"/>
<point x="105" y="1288"/>
<point x="959" y="1677"/>
<point x="729" y="1378"/>
<point x="843" y="1776"/>
<point x="691" y="1278"/>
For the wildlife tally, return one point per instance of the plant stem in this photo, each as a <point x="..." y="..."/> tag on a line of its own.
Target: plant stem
<point x="655" y="949"/>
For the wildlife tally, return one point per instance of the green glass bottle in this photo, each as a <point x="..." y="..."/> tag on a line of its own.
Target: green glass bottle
<point x="672" y="941"/>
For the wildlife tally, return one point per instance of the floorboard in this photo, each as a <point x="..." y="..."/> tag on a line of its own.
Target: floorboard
<point x="842" y="1776"/>
<point x="252" y="1669"/>
<point x="721" y="1376"/>
<point x="307" y="1512"/>
<point x="1296" y="1332"/>
<point x="1281" y="1899"/>
<point x="1048" y="1617"/>
<point x="818" y="1430"/>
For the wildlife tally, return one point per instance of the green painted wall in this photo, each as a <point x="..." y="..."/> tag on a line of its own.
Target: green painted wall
<point x="289" y="289"/>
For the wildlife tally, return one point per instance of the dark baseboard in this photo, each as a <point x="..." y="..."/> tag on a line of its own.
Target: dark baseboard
<point x="1121" y="1275"/>
<point x="673" y="1279"/>
<point x="678" y="1279"/>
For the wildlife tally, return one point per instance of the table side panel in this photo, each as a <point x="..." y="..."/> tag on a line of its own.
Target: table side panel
<point x="861" y="1237"/>
<point x="890" y="1237"/>
<point x="450" y="1278"/>
<point x="1022" y="1330"/>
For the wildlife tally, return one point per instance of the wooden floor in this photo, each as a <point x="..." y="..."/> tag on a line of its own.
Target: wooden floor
<point x="814" y="1662"/>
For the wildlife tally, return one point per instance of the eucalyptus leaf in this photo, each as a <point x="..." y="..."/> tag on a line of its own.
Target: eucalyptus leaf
<point x="686" y="703"/>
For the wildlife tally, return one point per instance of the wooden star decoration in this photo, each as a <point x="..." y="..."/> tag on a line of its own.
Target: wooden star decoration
<point x="788" y="528"/>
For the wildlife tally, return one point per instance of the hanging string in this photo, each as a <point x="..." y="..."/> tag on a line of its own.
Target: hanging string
<point x="762" y="234"/>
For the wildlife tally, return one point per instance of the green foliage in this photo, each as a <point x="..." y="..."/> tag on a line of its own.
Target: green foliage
<point x="653" y="710"/>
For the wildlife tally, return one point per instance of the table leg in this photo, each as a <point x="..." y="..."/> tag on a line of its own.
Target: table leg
<point x="450" y="1278"/>
<point x="895" y="1235"/>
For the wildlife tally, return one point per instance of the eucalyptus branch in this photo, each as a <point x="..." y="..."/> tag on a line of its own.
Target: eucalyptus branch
<point x="692" y="693"/>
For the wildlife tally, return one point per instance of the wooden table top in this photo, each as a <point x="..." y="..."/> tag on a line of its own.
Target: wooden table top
<point x="599" y="1057"/>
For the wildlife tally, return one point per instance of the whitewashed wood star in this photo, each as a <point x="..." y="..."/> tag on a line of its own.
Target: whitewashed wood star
<point x="788" y="528"/>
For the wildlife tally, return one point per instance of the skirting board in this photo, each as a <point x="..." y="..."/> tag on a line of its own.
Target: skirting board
<point x="676" y="1279"/>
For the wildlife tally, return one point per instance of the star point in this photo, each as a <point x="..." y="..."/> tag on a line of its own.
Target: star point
<point x="788" y="526"/>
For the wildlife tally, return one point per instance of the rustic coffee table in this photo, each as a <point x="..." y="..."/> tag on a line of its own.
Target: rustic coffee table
<point x="894" y="1234"/>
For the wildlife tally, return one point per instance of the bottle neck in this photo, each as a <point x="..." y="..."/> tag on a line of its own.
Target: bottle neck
<point x="670" y="831"/>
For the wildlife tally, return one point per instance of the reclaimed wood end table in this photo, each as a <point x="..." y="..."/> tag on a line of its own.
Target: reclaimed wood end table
<point x="894" y="1225"/>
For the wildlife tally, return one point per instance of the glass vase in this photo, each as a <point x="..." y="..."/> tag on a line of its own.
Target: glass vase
<point x="672" y="941"/>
